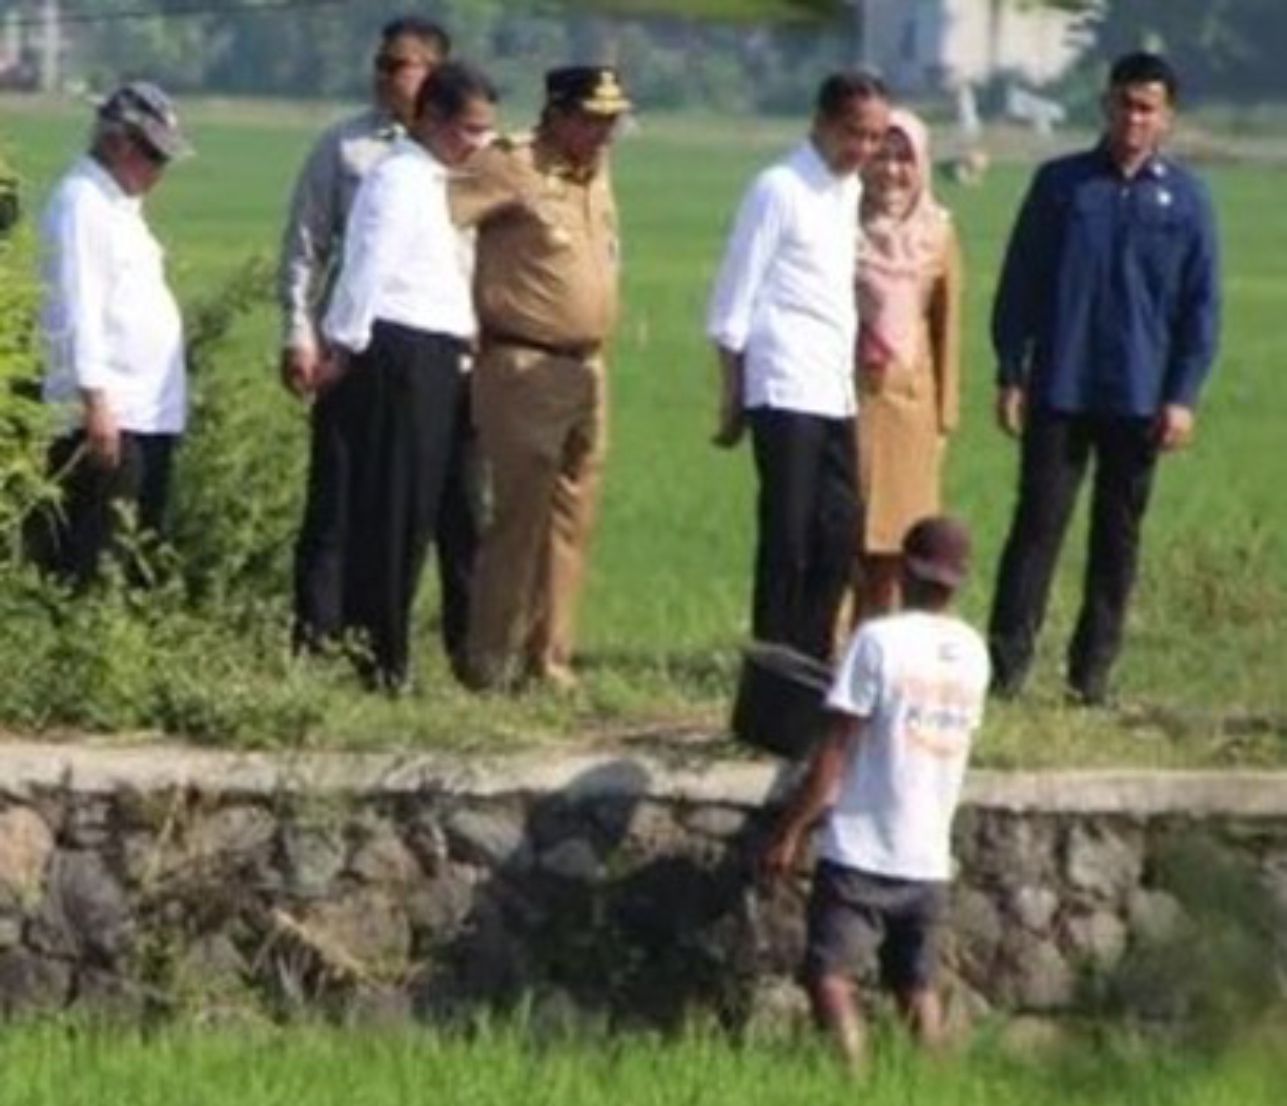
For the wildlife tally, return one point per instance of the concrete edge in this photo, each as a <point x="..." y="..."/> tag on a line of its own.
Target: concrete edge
<point x="28" y="768"/>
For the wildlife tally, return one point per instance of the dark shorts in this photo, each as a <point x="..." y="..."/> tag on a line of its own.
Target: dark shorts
<point x="854" y="913"/>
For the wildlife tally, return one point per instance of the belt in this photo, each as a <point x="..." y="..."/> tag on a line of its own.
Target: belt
<point x="574" y="351"/>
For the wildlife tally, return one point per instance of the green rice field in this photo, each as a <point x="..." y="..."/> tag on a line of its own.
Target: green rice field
<point x="1202" y="678"/>
<point x="51" y="1066"/>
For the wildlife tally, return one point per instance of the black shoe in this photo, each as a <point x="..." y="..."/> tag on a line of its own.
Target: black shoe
<point x="1007" y="688"/>
<point x="1088" y="693"/>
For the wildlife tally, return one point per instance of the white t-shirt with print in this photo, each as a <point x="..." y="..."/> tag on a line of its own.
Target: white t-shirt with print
<point x="919" y="681"/>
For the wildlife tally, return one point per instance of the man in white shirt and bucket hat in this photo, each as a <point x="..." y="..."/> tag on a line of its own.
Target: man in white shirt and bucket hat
<point x="113" y="335"/>
<point x="904" y="706"/>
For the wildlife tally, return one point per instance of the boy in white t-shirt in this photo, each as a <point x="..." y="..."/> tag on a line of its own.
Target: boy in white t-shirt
<point x="907" y="700"/>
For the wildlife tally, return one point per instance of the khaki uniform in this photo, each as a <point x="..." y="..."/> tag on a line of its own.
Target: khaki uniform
<point x="547" y="299"/>
<point x="905" y="414"/>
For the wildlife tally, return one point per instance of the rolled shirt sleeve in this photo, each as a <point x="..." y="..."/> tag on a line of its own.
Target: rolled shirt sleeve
<point x="78" y="272"/>
<point x="372" y="240"/>
<point x="751" y="249"/>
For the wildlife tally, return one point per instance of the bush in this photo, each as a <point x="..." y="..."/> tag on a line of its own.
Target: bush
<point x="1218" y="972"/>
<point x="240" y="471"/>
<point x="23" y="418"/>
<point x="203" y="650"/>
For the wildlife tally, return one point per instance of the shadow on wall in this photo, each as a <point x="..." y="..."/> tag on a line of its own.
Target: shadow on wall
<point x="596" y="905"/>
<point x="1214" y="966"/>
<point x="613" y="910"/>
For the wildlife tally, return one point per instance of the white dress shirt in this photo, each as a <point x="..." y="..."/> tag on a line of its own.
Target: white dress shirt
<point x="109" y="320"/>
<point x="785" y="293"/>
<point x="404" y="260"/>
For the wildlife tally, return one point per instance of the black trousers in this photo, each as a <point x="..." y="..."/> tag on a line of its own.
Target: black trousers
<point x="1056" y="451"/>
<point x="808" y="526"/>
<point x="70" y="542"/>
<point x="384" y="440"/>
<point x="458" y="525"/>
<point x="319" y="547"/>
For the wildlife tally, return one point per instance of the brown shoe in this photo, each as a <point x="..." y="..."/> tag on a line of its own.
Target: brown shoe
<point x="481" y="675"/>
<point x="557" y="677"/>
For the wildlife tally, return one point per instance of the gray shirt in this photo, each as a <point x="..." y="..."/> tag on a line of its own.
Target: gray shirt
<point x="324" y="192"/>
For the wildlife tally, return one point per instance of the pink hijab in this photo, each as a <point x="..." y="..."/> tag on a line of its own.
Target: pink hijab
<point x="895" y="257"/>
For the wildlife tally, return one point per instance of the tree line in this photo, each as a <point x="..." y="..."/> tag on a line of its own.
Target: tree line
<point x="322" y="50"/>
<point x="726" y="55"/>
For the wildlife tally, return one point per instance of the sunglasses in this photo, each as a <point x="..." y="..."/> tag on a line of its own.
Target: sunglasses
<point x="150" y="152"/>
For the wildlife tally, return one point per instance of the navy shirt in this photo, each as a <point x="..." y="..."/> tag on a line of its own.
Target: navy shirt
<point x="1109" y="299"/>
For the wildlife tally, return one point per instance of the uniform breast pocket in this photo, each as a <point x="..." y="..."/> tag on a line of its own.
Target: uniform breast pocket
<point x="1158" y="216"/>
<point x="910" y="382"/>
<point x="1088" y="213"/>
<point x="551" y="225"/>
<point x="1157" y="238"/>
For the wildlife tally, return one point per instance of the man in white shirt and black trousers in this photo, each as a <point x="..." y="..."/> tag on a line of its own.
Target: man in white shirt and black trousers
<point x="784" y="320"/>
<point x="409" y="49"/>
<point x="906" y="704"/>
<point x="113" y="336"/>
<point x="399" y="325"/>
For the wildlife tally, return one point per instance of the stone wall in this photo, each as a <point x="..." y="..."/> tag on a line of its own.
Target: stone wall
<point x="607" y="887"/>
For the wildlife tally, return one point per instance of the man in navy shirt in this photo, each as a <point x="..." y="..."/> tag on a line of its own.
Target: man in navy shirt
<point x="1105" y="327"/>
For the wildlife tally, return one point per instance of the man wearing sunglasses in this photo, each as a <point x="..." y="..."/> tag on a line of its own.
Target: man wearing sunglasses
<point x="410" y="48"/>
<point x="112" y="334"/>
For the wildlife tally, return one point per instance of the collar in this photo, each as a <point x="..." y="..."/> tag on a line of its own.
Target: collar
<point x="92" y="168"/>
<point x="1155" y="168"/>
<point x="811" y="164"/>
<point x="550" y="163"/>
<point x="384" y="126"/>
<point x="404" y="143"/>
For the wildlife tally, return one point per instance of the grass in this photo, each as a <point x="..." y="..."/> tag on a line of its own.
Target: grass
<point x="667" y="599"/>
<point x="47" y="1065"/>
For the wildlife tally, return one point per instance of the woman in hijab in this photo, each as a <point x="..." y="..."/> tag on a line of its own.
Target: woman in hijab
<point x="907" y="368"/>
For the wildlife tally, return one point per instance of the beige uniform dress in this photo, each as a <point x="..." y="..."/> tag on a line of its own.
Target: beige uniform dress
<point x="546" y="289"/>
<point x="906" y="412"/>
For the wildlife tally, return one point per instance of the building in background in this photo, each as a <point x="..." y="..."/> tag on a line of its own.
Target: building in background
<point x="943" y="45"/>
<point x="31" y="44"/>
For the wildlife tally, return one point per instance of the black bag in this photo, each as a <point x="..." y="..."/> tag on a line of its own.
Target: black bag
<point x="781" y="700"/>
